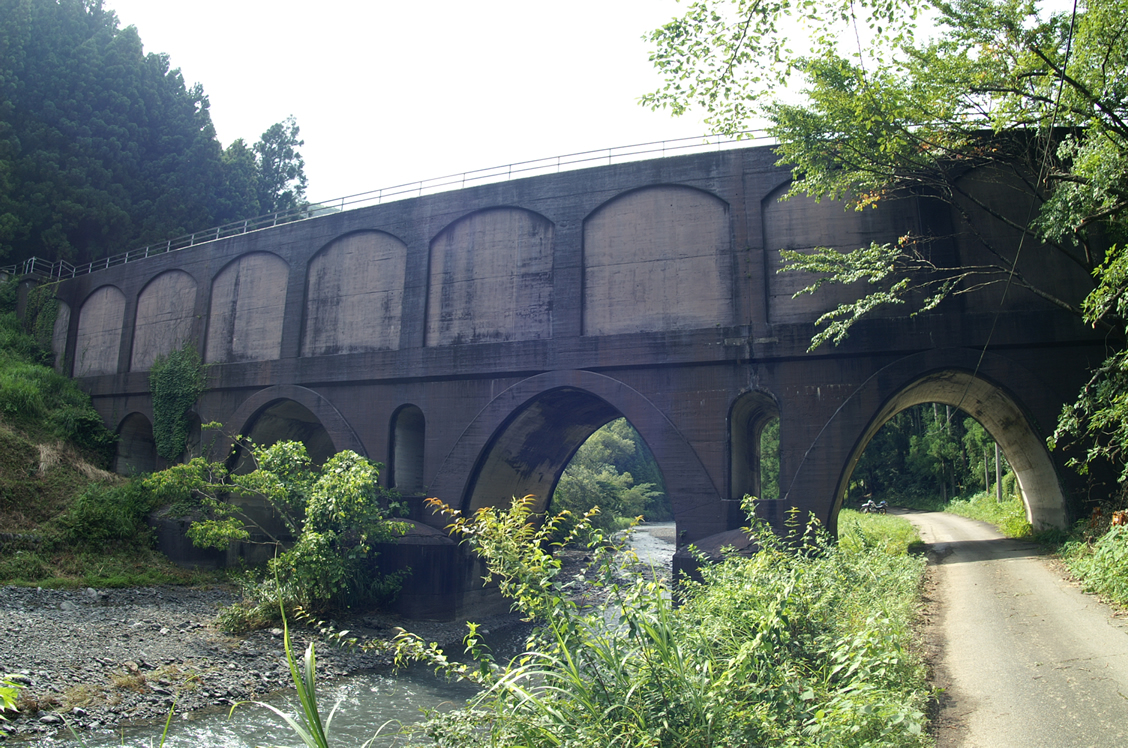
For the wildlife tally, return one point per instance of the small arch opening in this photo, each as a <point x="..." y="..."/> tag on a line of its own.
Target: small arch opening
<point x="286" y="420"/>
<point x="409" y="429"/>
<point x="754" y="447"/>
<point x="136" y="447"/>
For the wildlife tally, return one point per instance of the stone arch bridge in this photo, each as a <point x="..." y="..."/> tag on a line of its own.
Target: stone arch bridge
<point x="473" y="340"/>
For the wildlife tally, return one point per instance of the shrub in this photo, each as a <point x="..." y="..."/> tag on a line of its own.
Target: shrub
<point x="103" y="515"/>
<point x="335" y="513"/>
<point x="805" y="643"/>
<point x="1008" y="515"/>
<point x="1101" y="564"/>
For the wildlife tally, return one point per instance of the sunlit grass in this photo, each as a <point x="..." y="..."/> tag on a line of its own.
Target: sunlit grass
<point x="1008" y="515"/>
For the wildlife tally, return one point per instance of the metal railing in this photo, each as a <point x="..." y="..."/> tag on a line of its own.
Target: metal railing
<point x="59" y="269"/>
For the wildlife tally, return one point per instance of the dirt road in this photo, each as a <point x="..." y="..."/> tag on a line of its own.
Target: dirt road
<point x="1026" y="659"/>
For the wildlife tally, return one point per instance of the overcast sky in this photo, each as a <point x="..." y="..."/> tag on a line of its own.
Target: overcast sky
<point x="387" y="92"/>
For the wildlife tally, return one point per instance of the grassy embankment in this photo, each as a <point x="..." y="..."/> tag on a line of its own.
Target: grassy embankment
<point x="65" y="521"/>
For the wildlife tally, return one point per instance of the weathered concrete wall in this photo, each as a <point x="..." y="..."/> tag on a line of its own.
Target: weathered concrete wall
<point x="664" y="253"/>
<point x="472" y="340"/>
<point x="491" y="279"/>
<point x="355" y="295"/>
<point x="164" y="317"/>
<point x="98" y="339"/>
<point x="248" y="303"/>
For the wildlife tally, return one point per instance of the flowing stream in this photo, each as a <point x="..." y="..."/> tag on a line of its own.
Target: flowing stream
<point x="371" y="704"/>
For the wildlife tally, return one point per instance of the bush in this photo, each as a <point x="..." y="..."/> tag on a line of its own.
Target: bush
<point x="108" y="515"/>
<point x="1101" y="566"/>
<point x="1008" y="515"/>
<point x="805" y="643"/>
<point x="334" y="515"/>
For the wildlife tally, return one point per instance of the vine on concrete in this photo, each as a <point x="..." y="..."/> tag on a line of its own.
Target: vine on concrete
<point x="176" y="381"/>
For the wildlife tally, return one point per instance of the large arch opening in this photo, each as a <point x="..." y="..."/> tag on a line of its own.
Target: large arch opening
<point x="286" y="420"/>
<point x="1003" y="420"/>
<point x="530" y="451"/>
<point x="136" y="448"/>
<point x="754" y="447"/>
<point x="407" y="446"/>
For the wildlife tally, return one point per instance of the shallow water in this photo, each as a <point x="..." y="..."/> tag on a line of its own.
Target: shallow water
<point x="369" y="704"/>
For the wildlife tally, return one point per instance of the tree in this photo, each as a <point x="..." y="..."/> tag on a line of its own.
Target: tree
<point x="104" y="148"/>
<point x="334" y="515"/>
<point x="603" y="473"/>
<point x="892" y="106"/>
<point x="281" y="169"/>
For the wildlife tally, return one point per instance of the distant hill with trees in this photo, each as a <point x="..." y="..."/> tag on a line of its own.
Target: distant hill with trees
<point x="103" y="148"/>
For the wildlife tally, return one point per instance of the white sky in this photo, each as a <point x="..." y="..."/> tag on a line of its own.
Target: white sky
<point x="388" y="93"/>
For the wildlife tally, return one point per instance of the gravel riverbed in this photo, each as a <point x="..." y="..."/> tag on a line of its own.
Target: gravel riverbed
<point x="97" y="658"/>
<point x="103" y="658"/>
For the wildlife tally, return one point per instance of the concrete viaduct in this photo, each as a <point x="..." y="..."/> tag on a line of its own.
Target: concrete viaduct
<point x="473" y="340"/>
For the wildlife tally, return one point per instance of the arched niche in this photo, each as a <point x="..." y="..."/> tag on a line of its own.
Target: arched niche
<point x="248" y="305"/>
<point x="751" y="413"/>
<point x="491" y="279"/>
<point x="803" y="224"/>
<point x="164" y="317"/>
<point x="658" y="258"/>
<point x="136" y="448"/>
<point x="409" y="429"/>
<point x="1002" y="418"/>
<point x="354" y="295"/>
<point x="98" y="343"/>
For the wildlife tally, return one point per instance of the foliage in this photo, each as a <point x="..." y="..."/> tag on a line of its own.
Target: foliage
<point x="881" y="532"/>
<point x="890" y="110"/>
<point x="9" y="695"/>
<point x="769" y="461"/>
<point x="1008" y="515"/>
<point x="923" y="452"/>
<point x="105" y="516"/>
<point x="1097" y="553"/>
<point x="797" y="645"/>
<point x="281" y="182"/>
<point x="615" y="471"/>
<point x="102" y="146"/>
<point x="335" y="514"/>
<point x="39" y="401"/>
<point x="176" y="381"/>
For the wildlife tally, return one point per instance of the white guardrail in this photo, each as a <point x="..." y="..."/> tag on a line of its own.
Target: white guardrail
<point x="60" y="269"/>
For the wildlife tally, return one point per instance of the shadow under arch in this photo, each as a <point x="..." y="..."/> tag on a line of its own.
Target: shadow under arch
<point x="338" y="430"/>
<point x="947" y="377"/>
<point x="520" y="443"/>
<point x="136" y="451"/>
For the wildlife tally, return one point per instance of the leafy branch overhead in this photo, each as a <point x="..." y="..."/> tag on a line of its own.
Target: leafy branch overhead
<point x="872" y="101"/>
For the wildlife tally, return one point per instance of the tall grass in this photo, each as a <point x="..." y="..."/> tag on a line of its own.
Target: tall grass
<point x="1008" y="515"/>
<point x="804" y="643"/>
